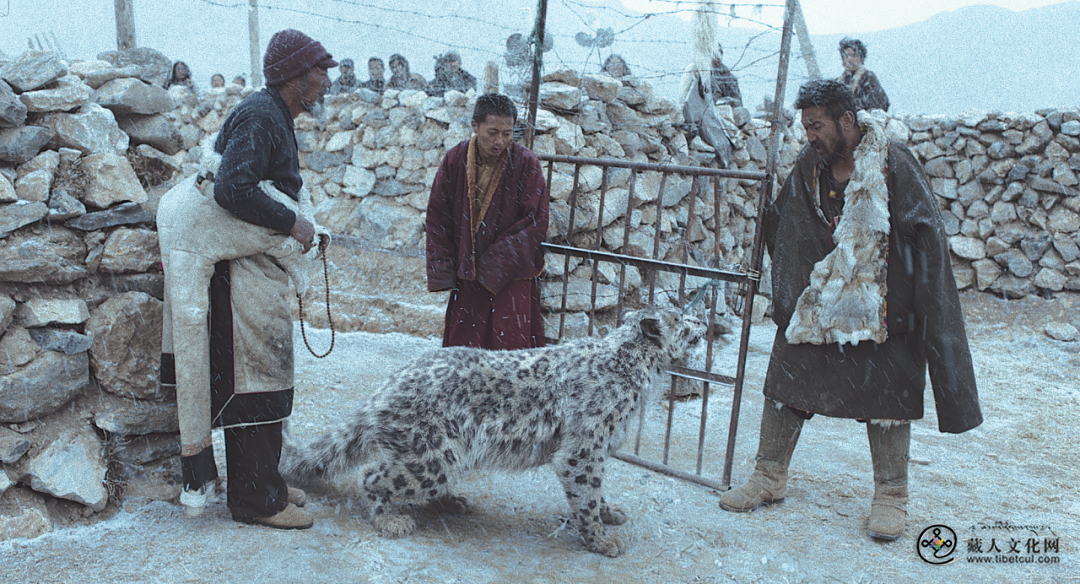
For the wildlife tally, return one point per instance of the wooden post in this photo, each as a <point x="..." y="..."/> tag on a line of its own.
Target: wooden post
<point x="491" y="78"/>
<point x="253" y="37"/>
<point x="125" y="25"/>
<point x="538" y="65"/>
<point x="805" y="46"/>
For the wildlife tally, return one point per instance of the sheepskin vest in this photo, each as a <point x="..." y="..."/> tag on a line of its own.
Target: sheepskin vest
<point x="916" y="303"/>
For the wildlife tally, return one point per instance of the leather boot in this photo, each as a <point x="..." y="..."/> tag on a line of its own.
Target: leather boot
<point x="780" y="429"/>
<point x="292" y="517"/>
<point x="889" y="449"/>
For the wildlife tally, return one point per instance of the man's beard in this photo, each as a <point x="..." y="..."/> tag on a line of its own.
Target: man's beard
<point x="841" y="146"/>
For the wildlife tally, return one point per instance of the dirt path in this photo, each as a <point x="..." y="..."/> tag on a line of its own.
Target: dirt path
<point x="1012" y="480"/>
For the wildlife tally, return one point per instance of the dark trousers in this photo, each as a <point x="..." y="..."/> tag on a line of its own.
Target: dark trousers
<point x="255" y="488"/>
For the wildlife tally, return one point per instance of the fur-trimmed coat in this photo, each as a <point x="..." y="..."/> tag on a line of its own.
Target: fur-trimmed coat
<point x="868" y="92"/>
<point x="506" y="246"/>
<point x="490" y="260"/>
<point x="924" y="322"/>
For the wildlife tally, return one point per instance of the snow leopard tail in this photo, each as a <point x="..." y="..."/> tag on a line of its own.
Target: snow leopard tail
<point x="328" y="455"/>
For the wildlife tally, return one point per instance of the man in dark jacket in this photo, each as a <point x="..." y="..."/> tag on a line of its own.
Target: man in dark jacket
<point x="347" y="81"/>
<point x="486" y="219"/>
<point x="450" y="76"/>
<point x="251" y="365"/>
<point x="862" y="83"/>
<point x="856" y="223"/>
<point x="376" y="76"/>
<point x="724" y="84"/>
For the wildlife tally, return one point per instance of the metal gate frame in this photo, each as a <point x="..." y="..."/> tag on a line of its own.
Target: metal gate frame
<point x="747" y="281"/>
<point x="650" y="266"/>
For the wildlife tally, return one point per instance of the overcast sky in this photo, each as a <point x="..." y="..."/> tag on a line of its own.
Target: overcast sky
<point x="850" y="16"/>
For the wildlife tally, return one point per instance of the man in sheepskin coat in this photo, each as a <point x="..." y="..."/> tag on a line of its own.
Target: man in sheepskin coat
<point x="864" y="300"/>
<point x="250" y="337"/>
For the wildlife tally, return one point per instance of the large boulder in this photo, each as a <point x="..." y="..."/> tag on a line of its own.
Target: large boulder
<point x="35" y="186"/>
<point x="72" y="468"/>
<point x="62" y="341"/>
<point x="12" y="109"/>
<point x="51" y="255"/>
<point x="127" y="345"/>
<point x="131" y="96"/>
<point x="130" y="250"/>
<point x="358" y="181"/>
<point x="7" y="191"/>
<point x="578" y="294"/>
<point x="40" y="312"/>
<point x="968" y="248"/>
<point x="601" y="87"/>
<point x="23" y="514"/>
<point x="19" y="214"/>
<point x="98" y="75"/>
<point x="92" y="130"/>
<point x="122" y="214"/>
<point x="20" y="144"/>
<point x="388" y="225"/>
<point x="147" y="64"/>
<point x="7" y="311"/>
<point x="112" y="180"/>
<point x="138" y="418"/>
<point x="154" y="130"/>
<point x="33" y="70"/>
<point x="42" y="386"/>
<point x="560" y="96"/>
<point x="17" y="348"/>
<point x="69" y="94"/>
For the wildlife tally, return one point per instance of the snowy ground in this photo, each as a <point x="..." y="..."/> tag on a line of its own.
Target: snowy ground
<point x="1018" y="470"/>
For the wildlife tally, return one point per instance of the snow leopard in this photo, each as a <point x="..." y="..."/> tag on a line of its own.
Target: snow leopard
<point x="457" y="409"/>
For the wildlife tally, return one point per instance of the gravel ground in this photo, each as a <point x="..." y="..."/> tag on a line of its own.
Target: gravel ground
<point x="1013" y="480"/>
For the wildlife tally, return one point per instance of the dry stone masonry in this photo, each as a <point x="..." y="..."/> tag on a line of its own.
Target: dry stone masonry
<point x="88" y="147"/>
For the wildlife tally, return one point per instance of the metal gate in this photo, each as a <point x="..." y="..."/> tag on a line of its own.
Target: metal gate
<point x="745" y="279"/>
<point x="652" y="265"/>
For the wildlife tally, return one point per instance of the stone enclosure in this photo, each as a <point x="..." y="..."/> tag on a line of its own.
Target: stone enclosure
<point x="87" y="148"/>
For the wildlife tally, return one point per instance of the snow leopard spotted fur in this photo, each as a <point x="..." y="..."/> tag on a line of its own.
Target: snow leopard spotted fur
<point x="457" y="409"/>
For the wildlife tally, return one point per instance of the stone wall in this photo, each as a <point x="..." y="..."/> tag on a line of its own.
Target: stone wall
<point x="87" y="149"/>
<point x="1007" y="191"/>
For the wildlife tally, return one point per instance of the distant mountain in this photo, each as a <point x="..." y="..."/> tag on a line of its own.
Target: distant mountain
<point x="978" y="57"/>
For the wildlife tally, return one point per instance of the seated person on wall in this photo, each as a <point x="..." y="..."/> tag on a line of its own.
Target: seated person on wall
<point x="615" y="66"/>
<point x="725" y="88"/>
<point x="486" y="219"/>
<point x="347" y="81"/>
<point x="854" y="225"/>
<point x="181" y="75"/>
<point x="401" y="78"/>
<point x="450" y="76"/>
<point x="376" y="81"/>
<point x="862" y="83"/>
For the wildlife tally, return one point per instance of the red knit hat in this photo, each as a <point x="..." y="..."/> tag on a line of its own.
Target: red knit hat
<point x="291" y="54"/>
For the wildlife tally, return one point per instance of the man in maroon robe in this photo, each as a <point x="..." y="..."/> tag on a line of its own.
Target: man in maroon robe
<point x="486" y="218"/>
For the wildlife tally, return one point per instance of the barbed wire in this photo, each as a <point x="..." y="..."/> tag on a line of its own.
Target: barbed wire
<point x="749" y="54"/>
<point x="731" y="16"/>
